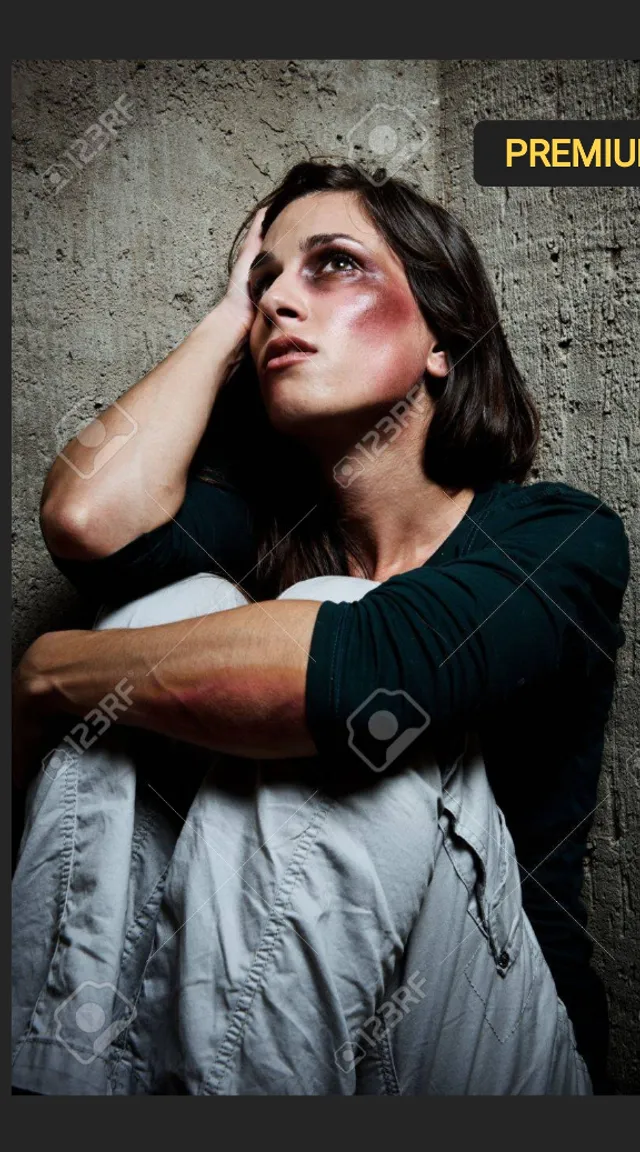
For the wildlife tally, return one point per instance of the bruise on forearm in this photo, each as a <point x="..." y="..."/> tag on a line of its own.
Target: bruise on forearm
<point x="233" y="681"/>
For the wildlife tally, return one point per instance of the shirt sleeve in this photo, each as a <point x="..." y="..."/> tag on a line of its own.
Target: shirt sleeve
<point x="211" y="532"/>
<point x="536" y="598"/>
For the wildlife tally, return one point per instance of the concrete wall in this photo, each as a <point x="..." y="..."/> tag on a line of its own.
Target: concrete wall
<point x="565" y="264"/>
<point x="115" y="266"/>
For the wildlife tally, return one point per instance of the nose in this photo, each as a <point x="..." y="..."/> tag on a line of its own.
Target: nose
<point x="284" y="298"/>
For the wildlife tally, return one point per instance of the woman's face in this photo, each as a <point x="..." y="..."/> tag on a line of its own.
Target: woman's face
<point x="354" y="306"/>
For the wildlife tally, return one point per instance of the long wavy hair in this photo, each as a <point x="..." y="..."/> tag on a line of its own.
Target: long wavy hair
<point x="484" y="425"/>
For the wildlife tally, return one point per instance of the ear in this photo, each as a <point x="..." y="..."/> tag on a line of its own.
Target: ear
<point x="437" y="362"/>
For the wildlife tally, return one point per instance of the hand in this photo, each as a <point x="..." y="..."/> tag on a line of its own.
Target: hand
<point x="31" y="734"/>
<point x="237" y="302"/>
<point x="25" y="731"/>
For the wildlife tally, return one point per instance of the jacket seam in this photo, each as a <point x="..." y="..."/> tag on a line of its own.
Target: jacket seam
<point x="271" y="934"/>
<point x="67" y="854"/>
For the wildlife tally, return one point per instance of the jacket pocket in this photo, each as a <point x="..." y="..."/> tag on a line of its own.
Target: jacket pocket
<point x="504" y="969"/>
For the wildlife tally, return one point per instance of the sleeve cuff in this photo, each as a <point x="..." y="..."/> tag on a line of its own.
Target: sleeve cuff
<point x="359" y="717"/>
<point x="321" y="688"/>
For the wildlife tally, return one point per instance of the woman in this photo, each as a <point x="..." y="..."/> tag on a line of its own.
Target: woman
<point x="389" y="447"/>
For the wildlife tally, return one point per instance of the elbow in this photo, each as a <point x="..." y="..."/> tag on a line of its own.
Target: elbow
<point x="65" y="528"/>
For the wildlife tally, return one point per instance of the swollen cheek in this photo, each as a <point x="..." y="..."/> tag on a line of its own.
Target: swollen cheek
<point x="386" y="320"/>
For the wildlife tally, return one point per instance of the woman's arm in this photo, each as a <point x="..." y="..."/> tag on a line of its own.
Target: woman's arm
<point x="143" y="484"/>
<point x="534" y="603"/>
<point x="87" y="514"/>
<point x="233" y="681"/>
<point x="212" y="531"/>
<point x="538" y="596"/>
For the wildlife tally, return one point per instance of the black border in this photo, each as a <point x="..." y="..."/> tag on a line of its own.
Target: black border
<point x="495" y="31"/>
<point x="481" y="35"/>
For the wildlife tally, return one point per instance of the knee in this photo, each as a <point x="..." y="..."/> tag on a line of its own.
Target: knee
<point x="196" y="595"/>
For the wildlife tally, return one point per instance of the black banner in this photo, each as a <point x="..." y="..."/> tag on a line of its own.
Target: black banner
<point x="556" y="152"/>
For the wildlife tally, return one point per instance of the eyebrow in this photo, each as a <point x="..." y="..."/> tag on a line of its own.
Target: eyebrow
<point x="265" y="259"/>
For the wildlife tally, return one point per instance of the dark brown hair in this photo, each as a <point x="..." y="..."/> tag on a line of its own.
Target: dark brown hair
<point x="484" y="425"/>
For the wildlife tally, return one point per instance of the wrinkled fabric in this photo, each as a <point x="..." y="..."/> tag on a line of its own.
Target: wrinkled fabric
<point x="193" y="923"/>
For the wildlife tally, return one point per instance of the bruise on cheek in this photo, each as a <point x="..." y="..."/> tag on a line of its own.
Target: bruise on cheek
<point x="390" y="310"/>
<point x="385" y="325"/>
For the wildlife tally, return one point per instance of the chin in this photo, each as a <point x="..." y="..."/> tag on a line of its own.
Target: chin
<point x="289" y="404"/>
<point x="290" y="418"/>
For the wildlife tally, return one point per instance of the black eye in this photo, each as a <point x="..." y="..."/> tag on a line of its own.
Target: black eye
<point x="257" y="288"/>
<point x="326" y="257"/>
<point x="337" y="254"/>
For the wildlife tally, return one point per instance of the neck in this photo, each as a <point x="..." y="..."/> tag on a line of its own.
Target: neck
<point x="396" y="515"/>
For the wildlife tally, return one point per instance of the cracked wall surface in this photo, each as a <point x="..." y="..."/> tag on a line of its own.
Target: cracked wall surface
<point x="118" y="260"/>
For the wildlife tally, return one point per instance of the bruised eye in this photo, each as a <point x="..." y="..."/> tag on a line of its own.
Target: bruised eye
<point x="331" y="256"/>
<point x="335" y="255"/>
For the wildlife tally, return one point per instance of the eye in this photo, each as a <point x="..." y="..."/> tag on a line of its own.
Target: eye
<point x="257" y="287"/>
<point x="329" y="256"/>
<point x="335" y="254"/>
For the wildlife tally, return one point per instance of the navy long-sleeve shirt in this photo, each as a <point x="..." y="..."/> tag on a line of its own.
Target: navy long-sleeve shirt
<point x="510" y="628"/>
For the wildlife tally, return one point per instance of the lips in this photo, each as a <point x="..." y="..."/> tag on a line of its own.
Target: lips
<point x="286" y="350"/>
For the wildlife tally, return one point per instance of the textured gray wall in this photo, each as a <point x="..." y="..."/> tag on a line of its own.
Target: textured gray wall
<point x="114" y="268"/>
<point x="565" y="265"/>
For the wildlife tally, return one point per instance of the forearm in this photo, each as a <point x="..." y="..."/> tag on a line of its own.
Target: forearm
<point x="233" y="681"/>
<point x="86" y="515"/>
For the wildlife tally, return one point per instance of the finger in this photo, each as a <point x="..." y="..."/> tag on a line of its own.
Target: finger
<point x="252" y="239"/>
<point x="258" y="218"/>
